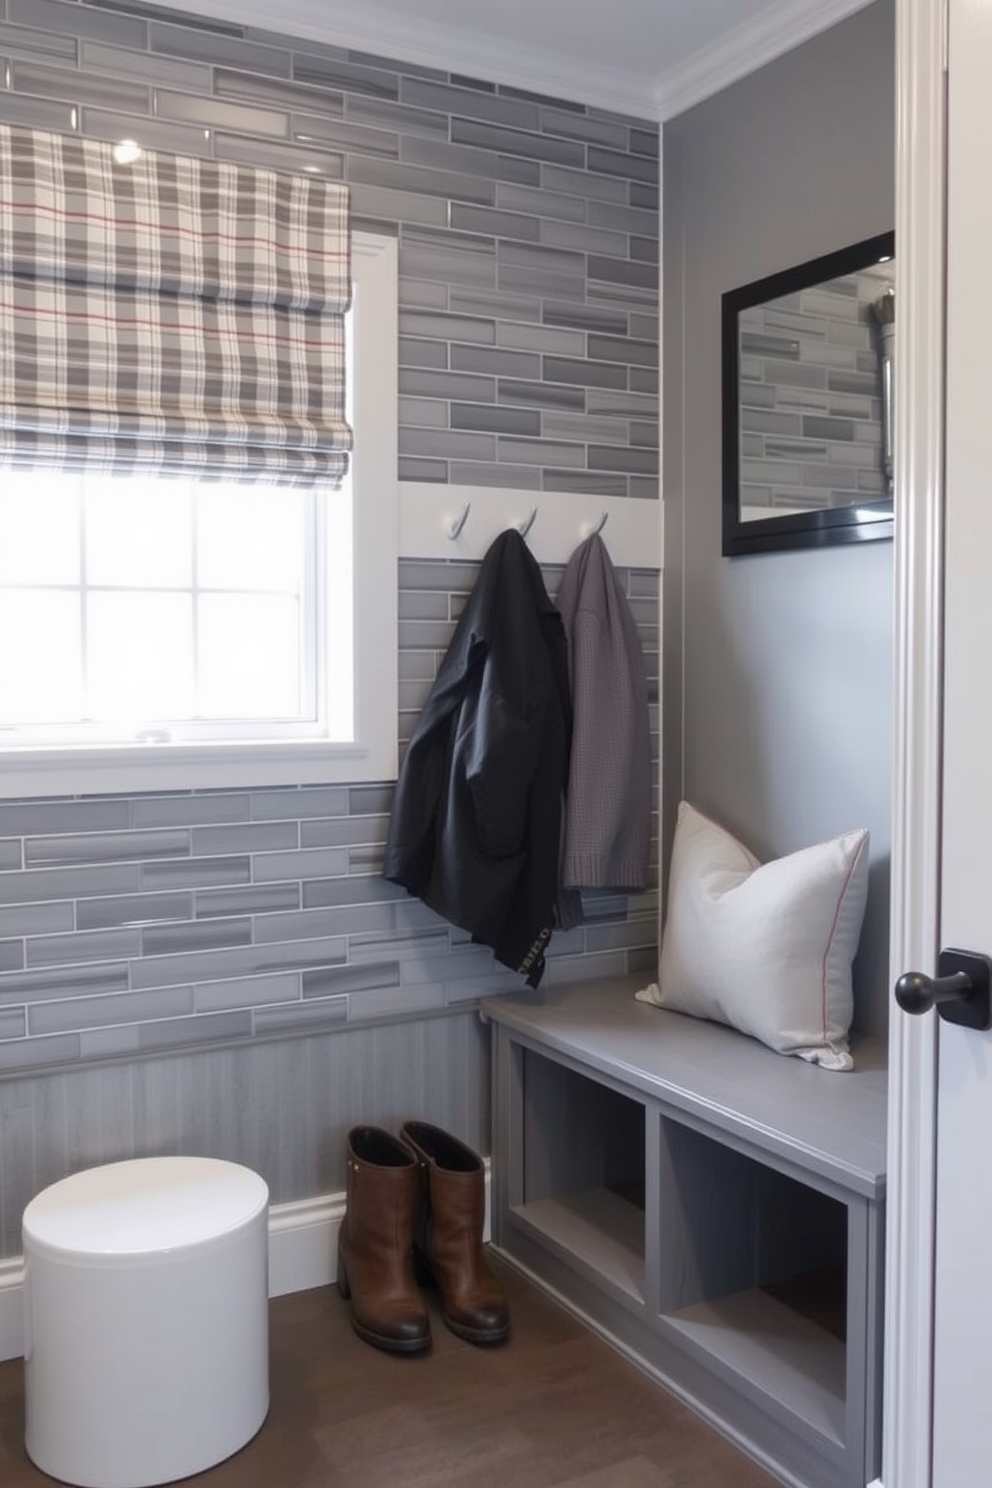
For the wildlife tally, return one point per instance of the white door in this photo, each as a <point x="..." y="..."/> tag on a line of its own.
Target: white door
<point x="962" y="1361"/>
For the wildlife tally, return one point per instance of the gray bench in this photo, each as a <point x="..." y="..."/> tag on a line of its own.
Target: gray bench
<point x="714" y="1209"/>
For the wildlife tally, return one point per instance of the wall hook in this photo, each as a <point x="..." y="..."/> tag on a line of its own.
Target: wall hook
<point x="524" y="527"/>
<point x="589" y="531"/>
<point x="457" y="523"/>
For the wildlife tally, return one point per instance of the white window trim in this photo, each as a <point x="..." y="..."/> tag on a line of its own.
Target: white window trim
<point x="130" y="768"/>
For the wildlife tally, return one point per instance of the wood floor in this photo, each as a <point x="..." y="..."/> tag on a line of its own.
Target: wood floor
<point x="552" y="1408"/>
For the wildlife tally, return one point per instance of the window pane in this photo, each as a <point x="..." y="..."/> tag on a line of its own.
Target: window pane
<point x="39" y="528"/>
<point x="249" y="656"/>
<point x="140" y="649"/>
<point x="250" y="538"/>
<point x="40" y="667"/>
<point x="138" y="531"/>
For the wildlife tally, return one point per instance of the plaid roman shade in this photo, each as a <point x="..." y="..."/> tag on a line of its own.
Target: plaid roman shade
<point x="170" y="316"/>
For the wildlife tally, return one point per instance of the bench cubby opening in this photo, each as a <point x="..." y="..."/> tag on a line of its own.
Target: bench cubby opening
<point x="713" y="1209"/>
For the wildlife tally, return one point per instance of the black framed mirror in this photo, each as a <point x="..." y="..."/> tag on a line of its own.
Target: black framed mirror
<point x="808" y="355"/>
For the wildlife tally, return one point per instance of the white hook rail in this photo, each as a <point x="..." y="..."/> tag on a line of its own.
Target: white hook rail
<point x="447" y="522"/>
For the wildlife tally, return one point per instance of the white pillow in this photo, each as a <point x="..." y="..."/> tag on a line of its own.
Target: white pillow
<point x="766" y="948"/>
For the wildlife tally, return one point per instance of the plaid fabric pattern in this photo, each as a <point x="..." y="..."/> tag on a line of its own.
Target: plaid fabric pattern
<point x="173" y="315"/>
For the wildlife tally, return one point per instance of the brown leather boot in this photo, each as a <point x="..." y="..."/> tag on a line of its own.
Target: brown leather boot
<point x="375" y="1243"/>
<point x="449" y="1234"/>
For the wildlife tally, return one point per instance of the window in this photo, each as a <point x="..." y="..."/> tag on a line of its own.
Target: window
<point x="160" y="634"/>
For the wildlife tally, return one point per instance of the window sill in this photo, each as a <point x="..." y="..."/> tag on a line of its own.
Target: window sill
<point x="135" y="769"/>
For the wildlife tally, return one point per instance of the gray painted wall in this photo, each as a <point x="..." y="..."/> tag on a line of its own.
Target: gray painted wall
<point x="528" y="249"/>
<point x="777" y="697"/>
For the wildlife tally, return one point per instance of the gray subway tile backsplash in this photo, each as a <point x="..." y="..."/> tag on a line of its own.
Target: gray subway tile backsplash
<point x="37" y="919"/>
<point x="76" y="87"/>
<point x="274" y="92"/>
<point x="63" y="981"/>
<point x="24" y="41"/>
<point x="87" y="945"/>
<point x="104" y="847"/>
<point x="56" y="18"/>
<point x="11" y="955"/>
<point x="205" y="46"/>
<point x="527" y="231"/>
<point x="202" y="966"/>
<point x="275" y="155"/>
<point x="23" y="818"/>
<point x="264" y="898"/>
<point x="470" y="103"/>
<point x="336" y="980"/>
<point x="508" y="477"/>
<point x="70" y="883"/>
<point x="212" y="113"/>
<point x="94" y="56"/>
<point x="201" y="1030"/>
<point x="21" y="1056"/>
<point x="100" y="1012"/>
<point x="310" y="863"/>
<point x="13" y="1024"/>
<point x="216" y="997"/>
<point x="130" y="909"/>
<point x="517" y="142"/>
<point x="348" y="77"/>
<point x="150" y="133"/>
<point x="315" y="1016"/>
<point x="248" y="838"/>
<point x="190" y="809"/>
<point x="193" y="873"/>
<point x="495" y="362"/>
<point x="195" y="935"/>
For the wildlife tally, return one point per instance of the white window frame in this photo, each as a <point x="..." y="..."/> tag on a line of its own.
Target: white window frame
<point x="372" y="755"/>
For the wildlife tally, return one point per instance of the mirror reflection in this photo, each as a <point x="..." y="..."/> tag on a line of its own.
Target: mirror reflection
<point x="808" y="362"/>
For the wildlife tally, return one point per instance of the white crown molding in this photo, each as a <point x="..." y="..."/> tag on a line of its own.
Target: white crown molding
<point x="657" y="96"/>
<point x="745" y="49"/>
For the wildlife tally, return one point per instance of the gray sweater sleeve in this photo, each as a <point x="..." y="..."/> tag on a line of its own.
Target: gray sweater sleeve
<point x="607" y="830"/>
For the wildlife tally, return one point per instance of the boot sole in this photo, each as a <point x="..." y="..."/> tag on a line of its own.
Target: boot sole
<point x="391" y="1345"/>
<point x="483" y="1337"/>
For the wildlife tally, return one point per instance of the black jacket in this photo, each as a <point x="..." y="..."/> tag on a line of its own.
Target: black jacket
<point x="476" y="818"/>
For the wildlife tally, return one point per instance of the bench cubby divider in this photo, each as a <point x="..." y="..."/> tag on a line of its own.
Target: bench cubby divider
<point x="713" y="1209"/>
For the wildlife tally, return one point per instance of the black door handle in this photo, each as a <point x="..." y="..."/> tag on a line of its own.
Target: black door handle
<point x="960" y="992"/>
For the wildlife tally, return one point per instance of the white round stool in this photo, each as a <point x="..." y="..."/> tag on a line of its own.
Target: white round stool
<point x="146" y="1320"/>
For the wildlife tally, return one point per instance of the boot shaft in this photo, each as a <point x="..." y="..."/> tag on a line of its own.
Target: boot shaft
<point x="381" y="1191"/>
<point x="452" y="1205"/>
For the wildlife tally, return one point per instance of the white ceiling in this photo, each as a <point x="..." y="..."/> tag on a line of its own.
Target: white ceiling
<point x="647" y="57"/>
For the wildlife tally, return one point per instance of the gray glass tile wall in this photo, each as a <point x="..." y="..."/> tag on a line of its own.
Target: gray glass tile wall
<point x="527" y="226"/>
<point x="175" y="926"/>
<point x="134" y="925"/>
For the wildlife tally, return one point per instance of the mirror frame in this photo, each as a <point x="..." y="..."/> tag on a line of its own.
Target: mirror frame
<point x="869" y="521"/>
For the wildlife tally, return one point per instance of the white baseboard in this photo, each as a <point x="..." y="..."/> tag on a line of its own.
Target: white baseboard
<point x="11" y="1309"/>
<point x="303" y="1243"/>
